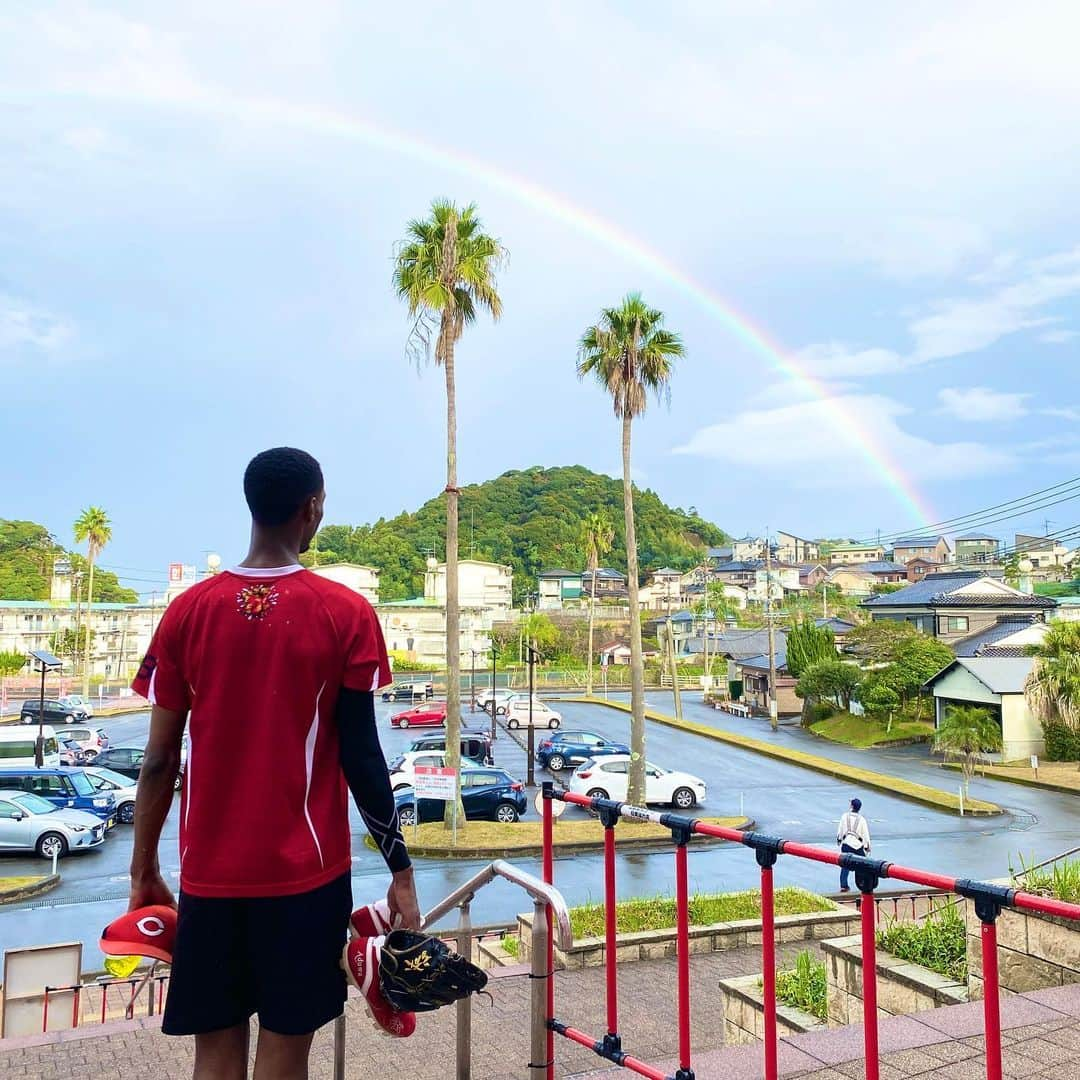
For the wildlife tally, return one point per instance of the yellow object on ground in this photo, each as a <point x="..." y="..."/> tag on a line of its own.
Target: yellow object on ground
<point x="121" y="967"/>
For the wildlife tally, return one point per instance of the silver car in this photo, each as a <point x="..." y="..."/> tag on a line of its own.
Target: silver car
<point x="122" y="787"/>
<point x="31" y="823"/>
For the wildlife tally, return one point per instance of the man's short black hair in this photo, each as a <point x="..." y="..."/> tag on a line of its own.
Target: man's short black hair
<point x="278" y="481"/>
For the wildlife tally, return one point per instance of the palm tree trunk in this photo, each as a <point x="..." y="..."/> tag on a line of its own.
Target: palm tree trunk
<point x="592" y="616"/>
<point x="636" y="782"/>
<point x="453" y="610"/>
<point x="89" y="608"/>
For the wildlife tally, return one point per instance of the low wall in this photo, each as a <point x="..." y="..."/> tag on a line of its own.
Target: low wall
<point x="902" y="987"/>
<point x="744" y="1012"/>
<point x="660" y="944"/>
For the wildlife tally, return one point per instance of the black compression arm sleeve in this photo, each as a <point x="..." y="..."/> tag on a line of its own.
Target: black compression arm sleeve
<point x="364" y="767"/>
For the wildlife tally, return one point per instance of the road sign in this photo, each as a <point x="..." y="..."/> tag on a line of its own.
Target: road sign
<point x="430" y="782"/>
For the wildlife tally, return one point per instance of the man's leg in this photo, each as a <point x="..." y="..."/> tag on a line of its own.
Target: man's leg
<point x="222" y="1055"/>
<point x="282" y="1057"/>
<point x="844" y="872"/>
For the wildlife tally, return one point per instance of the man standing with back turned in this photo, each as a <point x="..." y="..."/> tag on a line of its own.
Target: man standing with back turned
<point x="273" y="669"/>
<point x="853" y="836"/>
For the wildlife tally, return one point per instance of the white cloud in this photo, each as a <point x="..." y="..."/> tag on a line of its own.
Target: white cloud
<point x="23" y="325"/>
<point x="833" y="359"/>
<point x="1057" y="337"/>
<point x="980" y="403"/>
<point x="1063" y="413"/>
<point x="822" y="443"/>
<point x="913" y="246"/>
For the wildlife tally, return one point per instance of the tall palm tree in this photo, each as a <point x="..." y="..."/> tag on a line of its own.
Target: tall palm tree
<point x="93" y="526"/>
<point x="445" y="272"/>
<point x="967" y="731"/>
<point x="597" y="536"/>
<point x="1053" y="688"/>
<point x="630" y="354"/>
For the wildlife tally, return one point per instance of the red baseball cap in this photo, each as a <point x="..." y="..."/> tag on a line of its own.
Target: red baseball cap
<point x="146" y="931"/>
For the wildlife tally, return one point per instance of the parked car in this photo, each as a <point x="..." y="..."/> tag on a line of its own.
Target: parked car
<point x="91" y="740"/>
<point x="64" y="787"/>
<point x="517" y="713"/>
<point x="408" y="691"/>
<point x="71" y="753"/>
<point x="122" y="787"/>
<point x="77" y="701"/>
<point x="475" y="745"/>
<point x="430" y="714"/>
<point x="127" y="760"/>
<point x="574" y="747"/>
<point x="486" y="795"/>
<point x="606" y="778"/>
<point x="31" y="823"/>
<point x="56" y="712"/>
<point x="403" y="766"/>
<point x="485" y="698"/>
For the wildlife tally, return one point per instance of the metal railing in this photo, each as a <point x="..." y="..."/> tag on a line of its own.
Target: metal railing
<point x="989" y="900"/>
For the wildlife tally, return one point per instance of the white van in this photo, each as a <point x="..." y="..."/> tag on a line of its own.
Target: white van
<point x="17" y="747"/>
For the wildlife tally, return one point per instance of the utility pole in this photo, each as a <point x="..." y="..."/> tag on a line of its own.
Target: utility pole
<point x="493" y="710"/>
<point x="531" y="779"/>
<point x="677" y="693"/>
<point x="773" y="721"/>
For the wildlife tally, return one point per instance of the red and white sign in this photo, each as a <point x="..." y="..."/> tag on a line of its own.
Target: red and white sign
<point x="176" y="573"/>
<point x="430" y="782"/>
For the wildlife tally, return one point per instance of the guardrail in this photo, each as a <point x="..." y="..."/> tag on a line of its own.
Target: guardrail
<point x="989" y="900"/>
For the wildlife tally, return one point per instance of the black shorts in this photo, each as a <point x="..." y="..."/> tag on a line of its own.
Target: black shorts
<point x="278" y="956"/>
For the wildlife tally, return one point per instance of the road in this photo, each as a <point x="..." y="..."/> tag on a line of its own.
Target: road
<point x="783" y="799"/>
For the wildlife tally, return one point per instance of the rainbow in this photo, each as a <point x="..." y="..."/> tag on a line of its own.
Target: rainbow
<point x="336" y="124"/>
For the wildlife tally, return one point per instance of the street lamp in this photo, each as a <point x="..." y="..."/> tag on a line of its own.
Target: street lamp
<point x="45" y="662"/>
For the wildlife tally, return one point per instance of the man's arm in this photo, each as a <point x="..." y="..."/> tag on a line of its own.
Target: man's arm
<point x="152" y="803"/>
<point x="364" y="766"/>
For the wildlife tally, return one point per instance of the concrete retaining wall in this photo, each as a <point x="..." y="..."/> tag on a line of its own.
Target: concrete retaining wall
<point x="744" y="1013"/>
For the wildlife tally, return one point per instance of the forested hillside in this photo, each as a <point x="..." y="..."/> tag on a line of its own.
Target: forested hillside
<point x="529" y="519"/>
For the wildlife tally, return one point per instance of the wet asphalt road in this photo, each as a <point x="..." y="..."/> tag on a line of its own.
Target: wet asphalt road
<point x="784" y="799"/>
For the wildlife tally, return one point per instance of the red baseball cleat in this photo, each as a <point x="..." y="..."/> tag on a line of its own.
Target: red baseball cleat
<point x="361" y="962"/>
<point x="371" y="920"/>
<point x="146" y="931"/>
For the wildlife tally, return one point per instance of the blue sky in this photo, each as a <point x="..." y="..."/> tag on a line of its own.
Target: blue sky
<point x="197" y="253"/>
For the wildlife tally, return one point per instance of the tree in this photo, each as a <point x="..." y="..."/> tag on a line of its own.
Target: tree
<point x="597" y="536"/>
<point x="445" y="272"/>
<point x="965" y="733"/>
<point x="808" y="644"/>
<point x="878" y="642"/>
<point x="11" y="663"/>
<point x="1053" y="687"/>
<point x="93" y="527"/>
<point x="70" y="642"/>
<point x="831" y="679"/>
<point x="879" y="700"/>
<point x="630" y="353"/>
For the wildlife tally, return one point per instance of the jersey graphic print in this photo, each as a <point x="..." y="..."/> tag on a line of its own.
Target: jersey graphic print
<point x="255" y="601"/>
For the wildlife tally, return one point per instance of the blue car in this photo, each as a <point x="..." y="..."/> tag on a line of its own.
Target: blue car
<point x="486" y="794"/>
<point x="64" y="787"/>
<point x="565" y="748"/>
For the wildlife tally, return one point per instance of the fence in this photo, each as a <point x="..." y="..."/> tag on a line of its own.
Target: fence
<point x="989" y="900"/>
<point x="85" y="1009"/>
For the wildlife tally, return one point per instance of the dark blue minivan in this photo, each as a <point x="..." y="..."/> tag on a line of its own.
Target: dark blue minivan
<point x="62" y="787"/>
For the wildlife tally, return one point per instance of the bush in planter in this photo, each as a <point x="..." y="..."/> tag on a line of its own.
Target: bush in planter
<point x="1061" y="879"/>
<point x="937" y="943"/>
<point x="805" y="986"/>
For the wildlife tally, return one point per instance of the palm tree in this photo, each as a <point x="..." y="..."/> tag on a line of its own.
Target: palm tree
<point x="445" y="272"/>
<point x="967" y="731"/>
<point x="93" y="526"/>
<point x="597" y="536"/>
<point x="630" y="354"/>
<point x="1053" y="687"/>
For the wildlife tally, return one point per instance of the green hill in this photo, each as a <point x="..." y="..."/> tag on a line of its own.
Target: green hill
<point x="530" y="520"/>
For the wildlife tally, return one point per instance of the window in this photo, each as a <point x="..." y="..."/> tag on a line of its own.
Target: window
<point x="17" y="750"/>
<point x="9" y="810"/>
<point x="614" y="767"/>
<point x="953" y="624"/>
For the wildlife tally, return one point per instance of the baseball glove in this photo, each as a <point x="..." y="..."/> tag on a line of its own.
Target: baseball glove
<point x="418" y="973"/>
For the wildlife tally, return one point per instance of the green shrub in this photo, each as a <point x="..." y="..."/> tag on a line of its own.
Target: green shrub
<point x="1062" y="741"/>
<point x="511" y="944"/>
<point x="805" y="986"/>
<point x="1060" y="879"/>
<point x="821" y="710"/>
<point x="937" y="943"/>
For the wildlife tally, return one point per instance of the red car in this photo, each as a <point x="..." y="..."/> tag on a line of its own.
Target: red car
<point x="432" y="714"/>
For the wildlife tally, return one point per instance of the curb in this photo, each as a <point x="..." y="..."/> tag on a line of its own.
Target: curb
<point x="916" y="792"/>
<point x="1026" y="781"/>
<point x="25" y="892"/>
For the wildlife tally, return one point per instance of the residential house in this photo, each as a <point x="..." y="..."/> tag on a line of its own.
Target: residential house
<point x="811" y="575"/>
<point x="610" y="584"/>
<point x="935" y="548"/>
<point x="748" y="547"/>
<point x="976" y="547"/>
<point x="847" y="554"/>
<point x="618" y="653"/>
<point x="484" y="585"/>
<point x="779" y="581"/>
<point x="716" y="555"/>
<point x="917" y="569"/>
<point x="556" y="587"/>
<point x="417" y="627"/>
<point x="996" y="684"/>
<point x="754" y="673"/>
<point x="852" y="580"/>
<point x="1009" y="636"/>
<point x="1049" y="557"/>
<point x="840" y="629"/>
<point x="885" y="572"/>
<point x="742" y="573"/>
<point x="795" y="549"/>
<point x="952" y="606"/>
<point x="666" y="587"/>
<point x="361" y="579"/>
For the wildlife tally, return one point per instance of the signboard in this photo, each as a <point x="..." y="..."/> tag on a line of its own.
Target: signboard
<point x="176" y="573"/>
<point x="188" y="576"/>
<point x="26" y="974"/>
<point x="430" y="782"/>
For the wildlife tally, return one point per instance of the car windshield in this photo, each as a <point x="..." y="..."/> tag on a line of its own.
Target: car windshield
<point x="106" y="778"/>
<point x="34" y="803"/>
<point x="81" y="784"/>
<point x="655" y="768"/>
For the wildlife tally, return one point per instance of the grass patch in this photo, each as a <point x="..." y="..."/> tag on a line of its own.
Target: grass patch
<point x="11" y="884"/>
<point x="1063" y="775"/>
<point x="937" y="943"/>
<point x="512" y="945"/>
<point x="1060" y="880"/>
<point x="805" y="986"/>
<point x="658" y="912"/>
<point x="863" y="732"/>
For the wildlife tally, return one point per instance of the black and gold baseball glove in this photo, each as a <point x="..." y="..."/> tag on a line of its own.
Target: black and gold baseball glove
<point x="418" y="973"/>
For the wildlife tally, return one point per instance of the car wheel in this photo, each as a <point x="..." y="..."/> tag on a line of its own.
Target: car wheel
<point x="683" y="798"/>
<point x="406" y="817"/>
<point x="126" y="813"/>
<point x="402" y="787"/>
<point x="553" y="724"/>
<point x="178" y="783"/>
<point x="500" y="710"/>
<point x="52" y="844"/>
<point x="506" y="813"/>
<point x="91" y="755"/>
<point x="403" y="723"/>
<point x="69" y="719"/>
<point x="556" y="763"/>
<point x="27" y="718"/>
<point x="513" y="723"/>
<point x="597" y="793"/>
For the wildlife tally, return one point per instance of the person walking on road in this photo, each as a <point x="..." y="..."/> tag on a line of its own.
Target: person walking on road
<point x="853" y="836"/>
<point x="273" y="671"/>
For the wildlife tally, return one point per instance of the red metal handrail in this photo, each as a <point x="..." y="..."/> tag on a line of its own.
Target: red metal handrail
<point x="989" y="900"/>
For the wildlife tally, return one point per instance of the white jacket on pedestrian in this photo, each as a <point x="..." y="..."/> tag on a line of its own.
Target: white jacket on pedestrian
<point x="854" y="832"/>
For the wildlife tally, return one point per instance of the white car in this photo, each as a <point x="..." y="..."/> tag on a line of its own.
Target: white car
<point x="517" y="713"/>
<point x="485" y="697"/>
<point x="78" y="703"/>
<point x="122" y="787"/>
<point x="607" y="778"/>
<point x="30" y="823"/>
<point x="402" y="767"/>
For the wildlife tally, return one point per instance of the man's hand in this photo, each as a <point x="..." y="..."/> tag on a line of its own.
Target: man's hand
<point x="401" y="896"/>
<point x="150" y="889"/>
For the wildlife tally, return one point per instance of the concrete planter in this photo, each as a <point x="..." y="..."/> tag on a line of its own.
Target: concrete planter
<point x="744" y="1013"/>
<point x="1034" y="951"/>
<point x="902" y="987"/>
<point x="659" y="944"/>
